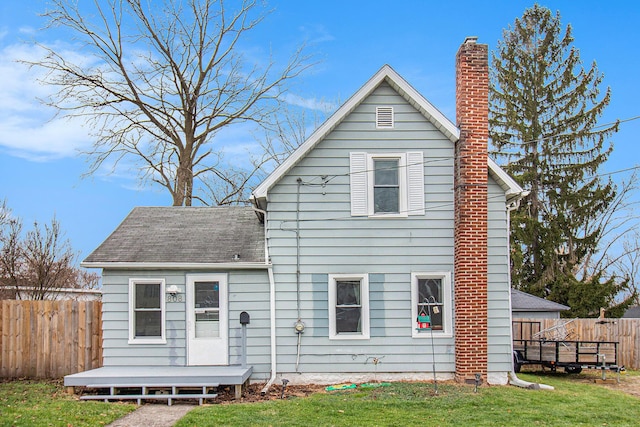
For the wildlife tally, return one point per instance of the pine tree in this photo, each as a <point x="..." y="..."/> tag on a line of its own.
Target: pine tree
<point x="544" y="111"/>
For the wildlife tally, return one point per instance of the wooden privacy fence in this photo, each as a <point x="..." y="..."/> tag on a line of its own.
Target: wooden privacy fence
<point x="625" y="331"/>
<point x="49" y="339"/>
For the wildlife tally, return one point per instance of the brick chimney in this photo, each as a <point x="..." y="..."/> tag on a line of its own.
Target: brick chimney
<point x="470" y="210"/>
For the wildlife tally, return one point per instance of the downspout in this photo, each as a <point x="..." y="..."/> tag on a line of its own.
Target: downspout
<point x="299" y="325"/>
<point x="272" y="305"/>
<point x="272" y="318"/>
<point x="514" y="378"/>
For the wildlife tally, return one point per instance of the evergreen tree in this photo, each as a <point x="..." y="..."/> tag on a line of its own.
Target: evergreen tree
<point x="544" y="111"/>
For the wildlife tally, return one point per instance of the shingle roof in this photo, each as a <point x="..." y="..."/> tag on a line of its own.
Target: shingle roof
<point x="632" y="312"/>
<point x="191" y="235"/>
<point x="522" y="301"/>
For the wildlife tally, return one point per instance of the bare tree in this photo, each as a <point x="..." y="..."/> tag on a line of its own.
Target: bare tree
<point x="618" y="254"/>
<point x="12" y="265"/>
<point x="164" y="80"/>
<point x="39" y="264"/>
<point x="628" y="264"/>
<point x="616" y="224"/>
<point x="290" y="128"/>
<point x="48" y="260"/>
<point x="5" y="213"/>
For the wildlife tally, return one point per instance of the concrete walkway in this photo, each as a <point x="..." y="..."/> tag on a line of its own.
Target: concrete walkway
<point x="153" y="416"/>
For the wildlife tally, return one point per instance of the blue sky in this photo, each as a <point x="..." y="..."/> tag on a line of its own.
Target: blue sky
<point x="40" y="171"/>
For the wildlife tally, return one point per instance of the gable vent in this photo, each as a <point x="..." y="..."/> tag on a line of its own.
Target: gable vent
<point x="384" y="117"/>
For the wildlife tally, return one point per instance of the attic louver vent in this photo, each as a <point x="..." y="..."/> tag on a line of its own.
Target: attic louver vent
<point x="384" y="117"/>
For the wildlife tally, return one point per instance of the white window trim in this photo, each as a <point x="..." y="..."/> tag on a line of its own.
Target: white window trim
<point x="132" y="329"/>
<point x="447" y="299"/>
<point x="411" y="180"/>
<point x="402" y="182"/>
<point x="364" y="302"/>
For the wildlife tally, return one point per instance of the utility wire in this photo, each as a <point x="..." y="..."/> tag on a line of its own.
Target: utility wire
<point x="349" y="217"/>
<point x="558" y="135"/>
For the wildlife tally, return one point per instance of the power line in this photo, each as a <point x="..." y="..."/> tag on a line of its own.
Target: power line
<point x="407" y="212"/>
<point x="632" y="168"/>
<point x="328" y="178"/>
<point x="630" y="119"/>
<point x="558" y="135"/>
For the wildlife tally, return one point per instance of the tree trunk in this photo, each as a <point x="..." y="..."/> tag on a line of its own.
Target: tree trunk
<point x="183" y="194"/>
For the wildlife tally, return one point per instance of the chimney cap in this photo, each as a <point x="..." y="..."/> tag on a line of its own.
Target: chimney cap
<point x="471" y="40"/>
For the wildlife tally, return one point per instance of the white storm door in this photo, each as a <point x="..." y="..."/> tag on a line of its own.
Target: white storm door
<point x="207" y="324"/>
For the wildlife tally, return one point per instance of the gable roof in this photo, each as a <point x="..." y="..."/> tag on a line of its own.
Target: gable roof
<point x="522" y="301"/>
<point x="632" y="312"/>
<point x="413" y="97"/>
<point x="179" y="237"/>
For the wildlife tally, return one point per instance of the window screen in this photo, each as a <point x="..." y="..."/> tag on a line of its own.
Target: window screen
<point x="147" y="310"/>
<point x="348" y="306"/>
<point x="386" y="186"/>
<point x="430" y="301"/>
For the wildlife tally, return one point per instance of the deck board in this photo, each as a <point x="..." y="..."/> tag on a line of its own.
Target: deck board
<point x="160" y="375"/>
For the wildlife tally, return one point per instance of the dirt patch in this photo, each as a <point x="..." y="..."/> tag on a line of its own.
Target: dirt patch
<point x="253" y="393"/>
<point x="226" y="395"/>
<point x="628" y="383"/>
<point x="625" y="382"/>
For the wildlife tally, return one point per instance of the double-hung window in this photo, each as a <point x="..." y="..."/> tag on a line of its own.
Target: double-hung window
<point x="348" y="306"/>
<point x="146" y="311"/>
<point x="431" y="296"/>
<point x="387" y="184"/>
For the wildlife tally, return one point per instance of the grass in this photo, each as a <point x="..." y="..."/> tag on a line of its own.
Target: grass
<point x="45" y="403"/>
<point x="572" y="403"/>
<point x="576" y="401"/>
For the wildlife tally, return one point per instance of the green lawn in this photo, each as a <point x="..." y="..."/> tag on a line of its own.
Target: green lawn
<point x="44" y="403"/>
<point x="574" y="402"/>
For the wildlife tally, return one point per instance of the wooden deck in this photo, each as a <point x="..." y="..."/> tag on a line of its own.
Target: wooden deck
<point x="158" y="382"/>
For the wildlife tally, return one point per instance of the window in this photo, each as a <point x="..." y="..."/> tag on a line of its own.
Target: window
<point x="348" y="306"/>
<point x="387" y="184"/>
<point x="431" y="296"/>
<point x="207" y="309"/>
<point x="146" y="311"/>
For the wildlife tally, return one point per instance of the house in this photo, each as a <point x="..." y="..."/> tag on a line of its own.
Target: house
<point x="527" y="306"/>
<point x="388" y="214"/>
<point x="632" y="312"/>
<point x="75" y="294"/>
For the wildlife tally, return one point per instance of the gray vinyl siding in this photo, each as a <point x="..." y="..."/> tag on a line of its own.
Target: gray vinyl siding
<point x="247" y="291"/>
<point x="388" y="249"/>
<point x="499" y="318"/>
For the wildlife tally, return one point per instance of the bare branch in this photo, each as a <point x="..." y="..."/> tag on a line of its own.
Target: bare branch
<point x="156" y="83"/>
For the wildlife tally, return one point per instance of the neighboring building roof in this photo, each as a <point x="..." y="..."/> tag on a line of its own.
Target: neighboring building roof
<point x="512" y="190"/>
<point x="56" y="293"/>
<point x="632" y="312"/>
<point x="183" y="236"/>
<point x="522" y="301"/>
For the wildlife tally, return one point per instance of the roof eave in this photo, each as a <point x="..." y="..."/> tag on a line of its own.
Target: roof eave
<point x="513" y="191"/>
<point x="175" y="265"/>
